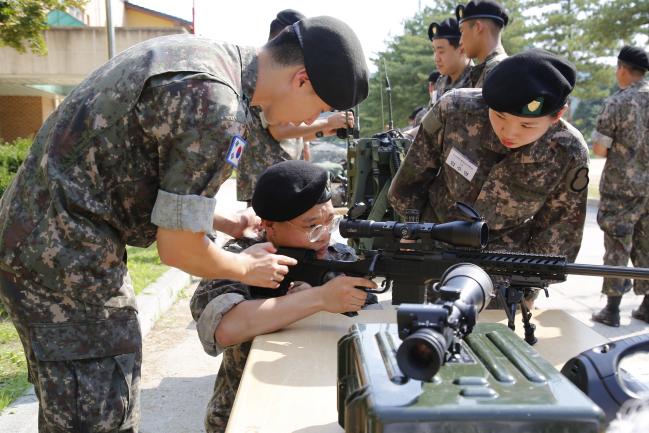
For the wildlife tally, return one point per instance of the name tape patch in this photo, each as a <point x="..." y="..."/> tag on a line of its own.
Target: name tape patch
<point x="461" y="164"/>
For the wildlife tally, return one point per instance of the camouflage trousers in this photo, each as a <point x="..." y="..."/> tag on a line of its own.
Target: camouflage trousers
<point x="625" y="223"/>
<point x="225" y="387"/>
<point x="84" y="361"/>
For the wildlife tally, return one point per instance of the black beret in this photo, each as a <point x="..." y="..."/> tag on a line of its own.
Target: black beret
<point x="634" y="56"/>
<point x="434" y="76"/>
<point x="288" y="189"/>
<point x="447" y="29"/>
<point x="482" y="9"/>
<point x="288" y="17"/>
<point x="415" y="112"/>
<point x="334" y="61"/>
<point x="533" y="83"/>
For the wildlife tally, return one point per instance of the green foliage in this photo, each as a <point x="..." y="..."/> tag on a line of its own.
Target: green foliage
<point x="408" y="59"/>
<point x="144" y="266"/>
<point x="13" y="366"/>
<point x="22" y="22"/>
<point x="585" y="116"/>
<point x="11" y="156"/>
<point x="584" y="31"/>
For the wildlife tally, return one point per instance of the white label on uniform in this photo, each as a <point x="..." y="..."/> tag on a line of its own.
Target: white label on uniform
<point x="461" y="164"/>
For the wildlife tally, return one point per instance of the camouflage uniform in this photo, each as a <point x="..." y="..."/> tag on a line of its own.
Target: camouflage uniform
<point x="444" y="82"/>
<point x="263" y="151"/>
<point x="211" y="301"/>
<point x="479" y="72"/>
<point x="443" y="85"/>
<point x="623" y="212"/>
<point x="140" y="143"/>
<point x="533" y="198"/>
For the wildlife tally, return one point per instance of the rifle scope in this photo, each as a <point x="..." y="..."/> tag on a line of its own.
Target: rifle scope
<point x="429" y="330"/>
<point x="458" y="233"/>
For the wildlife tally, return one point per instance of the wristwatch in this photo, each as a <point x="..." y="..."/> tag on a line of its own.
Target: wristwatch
<point x="319" y="134"/>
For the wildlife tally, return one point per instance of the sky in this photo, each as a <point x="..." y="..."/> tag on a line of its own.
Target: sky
<point x="246" y="22"/>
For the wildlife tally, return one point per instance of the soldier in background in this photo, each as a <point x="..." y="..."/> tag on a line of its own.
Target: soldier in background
<point x="135" y="154"/>
<point x="270" y="144"/>
<point x="622" y="137"/>
<point x="505" y="151"/>
<point x="450" y="59"/>
<point x="294" y="202"/>
<point x="481" y="23"/>
<point x="411" y="131"/>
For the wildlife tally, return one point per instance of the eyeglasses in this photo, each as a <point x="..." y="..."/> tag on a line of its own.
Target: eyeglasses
<point x="315" y="233"/>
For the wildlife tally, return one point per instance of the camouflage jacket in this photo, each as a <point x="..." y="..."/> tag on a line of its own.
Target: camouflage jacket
<point x="533" y="198"/>
<point x="479" y="72"/>
<point x="623" y="125"/>
<point x="262" y="152"/>
<point x="210" y="302"/>
<point x="444" y="82"/>
<point x="151" y="127"/>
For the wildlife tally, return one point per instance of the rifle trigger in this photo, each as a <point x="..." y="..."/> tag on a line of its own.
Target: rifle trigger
<point x="545" y="289"/>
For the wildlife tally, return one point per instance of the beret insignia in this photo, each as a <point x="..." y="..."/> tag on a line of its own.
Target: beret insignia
<point x="534" y="107"/>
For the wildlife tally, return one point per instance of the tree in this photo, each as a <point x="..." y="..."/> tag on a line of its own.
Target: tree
<point x="409" y="60"/>
<point x="614" y="21"/>
<point x="22" y="22"/>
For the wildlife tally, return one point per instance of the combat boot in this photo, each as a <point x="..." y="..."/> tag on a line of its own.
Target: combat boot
<point x="642" y="312"/>
<point x="609" y="315"/>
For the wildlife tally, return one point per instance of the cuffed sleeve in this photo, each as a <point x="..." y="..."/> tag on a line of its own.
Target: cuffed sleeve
<point x="211" y="317"/>
<point x="192" y="213"/>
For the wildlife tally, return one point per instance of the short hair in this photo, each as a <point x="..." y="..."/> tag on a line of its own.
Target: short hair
<point x="631" y="68"/>
<point x="432" y="78"/>
<point x="494" y="27"/>
<point x="284" y="49"/>
<point x="414" y="113"/>
<point x="455" y="43"/>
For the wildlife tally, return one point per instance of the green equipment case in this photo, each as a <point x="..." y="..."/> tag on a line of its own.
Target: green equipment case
<point x="500" y="385"/>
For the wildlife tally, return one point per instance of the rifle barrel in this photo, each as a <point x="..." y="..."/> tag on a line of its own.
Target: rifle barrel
<point x="607" y="271"/>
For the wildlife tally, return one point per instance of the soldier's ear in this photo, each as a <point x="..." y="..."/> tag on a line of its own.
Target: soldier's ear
<point x="300" y="78"/>
<point x="556" y="116"/>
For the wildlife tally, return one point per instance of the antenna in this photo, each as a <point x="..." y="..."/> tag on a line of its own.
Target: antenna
<point x="388" y="91"/>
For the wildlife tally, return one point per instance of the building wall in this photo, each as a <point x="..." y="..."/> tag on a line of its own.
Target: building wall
<point x="94" y="13"/>
<point x="22" y="116"/>
<point x="135" y="18"/>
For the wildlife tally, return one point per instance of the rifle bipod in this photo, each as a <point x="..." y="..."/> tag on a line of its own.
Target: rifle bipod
<point x="510" y="297"/>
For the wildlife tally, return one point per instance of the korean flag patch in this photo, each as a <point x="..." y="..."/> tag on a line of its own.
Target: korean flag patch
<point x="237" y="146"/>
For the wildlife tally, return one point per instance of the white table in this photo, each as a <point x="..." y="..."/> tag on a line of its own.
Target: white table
<point x="289" y="383"/>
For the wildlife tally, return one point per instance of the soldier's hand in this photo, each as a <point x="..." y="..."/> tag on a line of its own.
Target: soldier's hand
<point x="238" y="224"/>
<point x="340" y="119"/>
<point x="263" y="268"/>
<point x="249" y="223"/>
<point x="340" y="295"/>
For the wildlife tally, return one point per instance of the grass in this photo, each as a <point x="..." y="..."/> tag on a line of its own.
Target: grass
<point x="144" y="266"/>
<point x="13" y="366"/>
